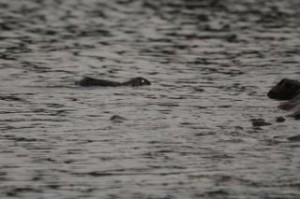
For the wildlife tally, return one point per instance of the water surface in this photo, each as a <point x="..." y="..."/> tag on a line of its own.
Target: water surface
<point x="188" y="135"/>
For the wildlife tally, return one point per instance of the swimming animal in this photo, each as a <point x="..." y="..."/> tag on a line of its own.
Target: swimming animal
<point x="89" y="81"/>
<point x="287" y="89"/>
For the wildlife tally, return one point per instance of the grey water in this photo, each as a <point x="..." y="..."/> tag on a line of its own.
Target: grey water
<point x="187" y="135"/>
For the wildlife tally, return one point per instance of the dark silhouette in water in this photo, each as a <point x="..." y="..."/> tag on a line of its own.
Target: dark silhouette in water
<point x="287" y="89"/>
<point x="89" y="81"/>
<point x="117" y="118"/>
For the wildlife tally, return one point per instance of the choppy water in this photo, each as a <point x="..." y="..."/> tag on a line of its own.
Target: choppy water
<point x="188" y="135"/>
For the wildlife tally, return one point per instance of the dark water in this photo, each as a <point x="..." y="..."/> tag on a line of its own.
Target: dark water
<point x="188" y="135"/>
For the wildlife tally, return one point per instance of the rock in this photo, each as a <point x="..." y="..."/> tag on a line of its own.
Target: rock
<point x="295" y="138"/>
<point x="259" y="122"/>
<point x="286" y="89"/>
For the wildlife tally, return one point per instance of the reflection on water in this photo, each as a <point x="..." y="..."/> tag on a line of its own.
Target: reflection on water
<point x="188" y="135"/>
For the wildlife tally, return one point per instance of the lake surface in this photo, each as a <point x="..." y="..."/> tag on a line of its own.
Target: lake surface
<point x="188" y="135"/>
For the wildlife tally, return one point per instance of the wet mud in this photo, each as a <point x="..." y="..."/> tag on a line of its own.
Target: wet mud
<point x="204" y="128"/>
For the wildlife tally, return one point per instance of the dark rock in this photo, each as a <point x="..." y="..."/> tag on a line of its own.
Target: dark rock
<point x="295" y="138"/>
<point x="286" y="89"/>
<point x="280" y="119"/>
<point x="259" y="122"/>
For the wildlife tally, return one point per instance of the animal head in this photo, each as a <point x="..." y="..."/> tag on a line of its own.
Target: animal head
<point x="138" y="81"/>
<point x="286" y="89"/>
